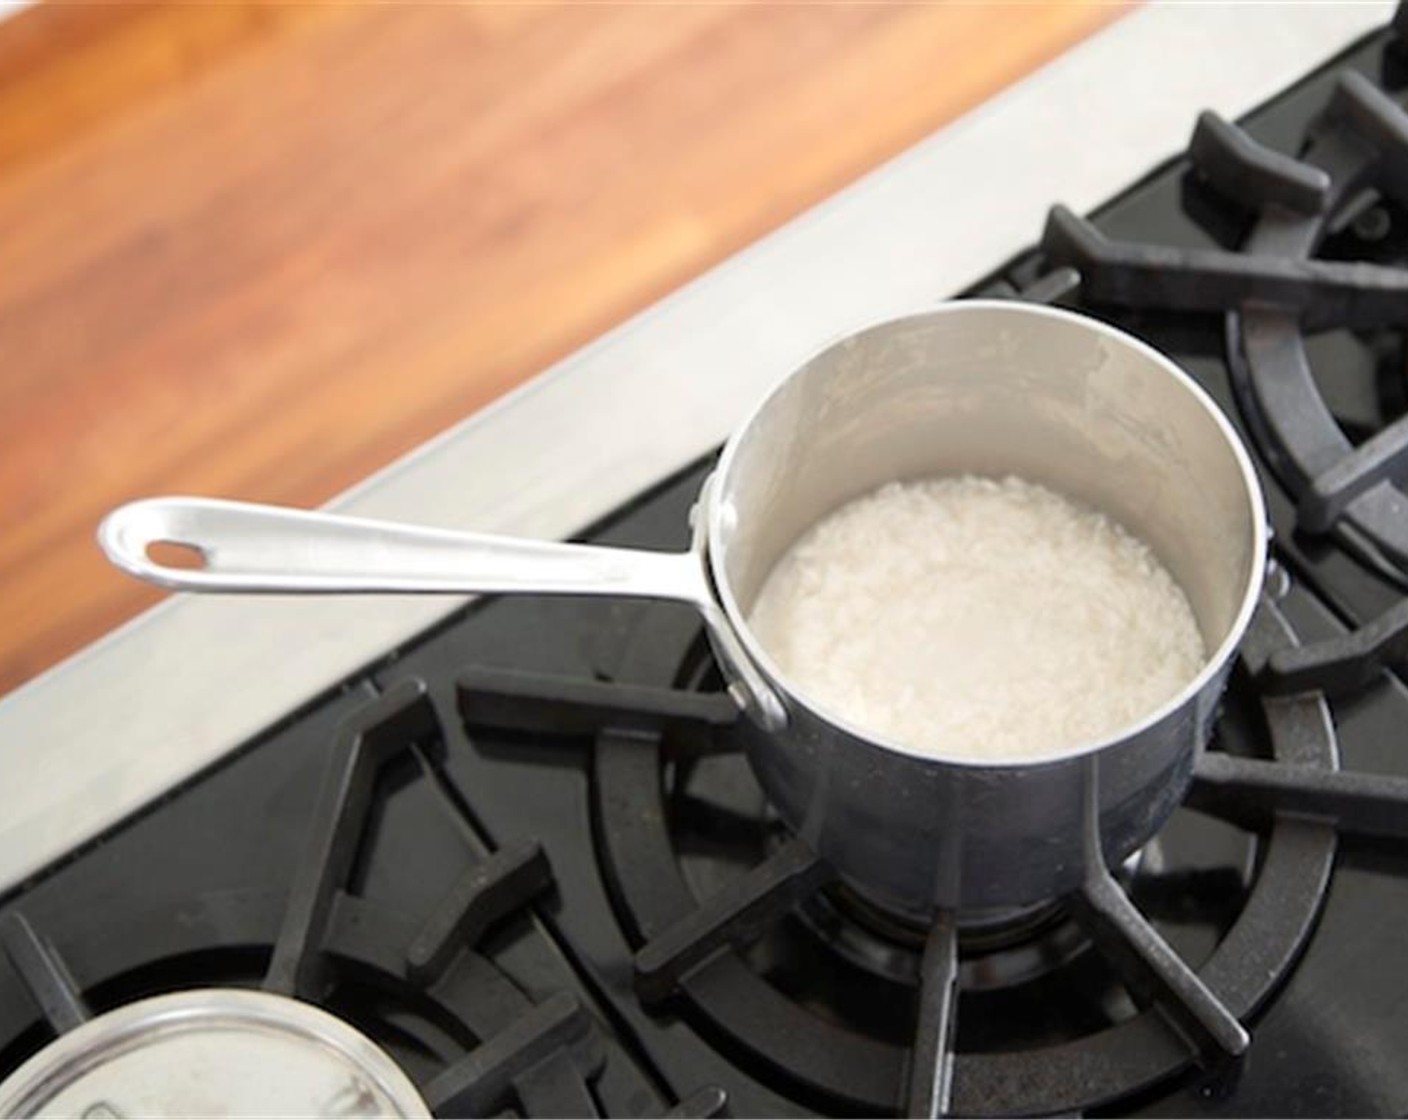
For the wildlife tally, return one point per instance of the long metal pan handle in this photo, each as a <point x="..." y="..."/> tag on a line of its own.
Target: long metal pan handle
<point x="244" y="547"/>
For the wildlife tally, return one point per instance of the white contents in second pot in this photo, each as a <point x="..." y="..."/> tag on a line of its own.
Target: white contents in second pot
<point x="977" y="618"/>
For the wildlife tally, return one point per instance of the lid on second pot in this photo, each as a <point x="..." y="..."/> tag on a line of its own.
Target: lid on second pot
<point x="212" y="1052"/>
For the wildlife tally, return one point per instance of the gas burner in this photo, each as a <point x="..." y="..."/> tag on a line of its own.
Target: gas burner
<point x="991" y="953"/>
<point x="208" y="1052"/>
<point x="680" y="962"/>
<point x="1316" y="304"/>
<point x="995" y="951"/>
<point x="451" y="1030"/>
<point x="716" y="904"/>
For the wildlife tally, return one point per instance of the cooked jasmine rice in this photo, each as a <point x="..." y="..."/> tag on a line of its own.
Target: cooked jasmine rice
<point x="977" y="618"/>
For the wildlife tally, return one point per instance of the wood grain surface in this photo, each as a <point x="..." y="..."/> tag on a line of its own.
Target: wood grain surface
<point x="259" y="251"/>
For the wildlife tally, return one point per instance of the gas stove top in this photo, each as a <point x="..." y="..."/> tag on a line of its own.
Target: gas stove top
<point x="521" y="857"/>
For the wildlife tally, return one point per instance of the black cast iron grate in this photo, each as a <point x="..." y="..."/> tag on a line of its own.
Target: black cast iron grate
<point x="516" y="1053"/>
<point x="1275" y="292"/>
<point x="690" y="952"/>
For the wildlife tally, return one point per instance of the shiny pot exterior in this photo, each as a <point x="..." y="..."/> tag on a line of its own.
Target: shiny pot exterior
<point x="912" y="834"/>
<point x="984" y="388"/>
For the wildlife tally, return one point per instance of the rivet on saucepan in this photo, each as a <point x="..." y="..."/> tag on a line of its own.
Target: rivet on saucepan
<point x="1278" y="580"/>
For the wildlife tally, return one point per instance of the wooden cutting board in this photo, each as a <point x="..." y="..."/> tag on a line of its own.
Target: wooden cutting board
<point x="259" y="251"/>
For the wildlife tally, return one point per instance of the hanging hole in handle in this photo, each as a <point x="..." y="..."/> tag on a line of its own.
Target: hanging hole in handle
<point x="178" y="555"/>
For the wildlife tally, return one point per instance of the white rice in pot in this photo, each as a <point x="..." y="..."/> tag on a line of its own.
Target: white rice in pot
<point x="977" y="618"/>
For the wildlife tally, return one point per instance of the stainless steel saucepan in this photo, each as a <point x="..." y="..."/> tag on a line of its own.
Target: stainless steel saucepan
<point x="969" y="387"/>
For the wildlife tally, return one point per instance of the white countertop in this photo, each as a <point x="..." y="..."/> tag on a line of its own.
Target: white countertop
<point x="174" y="690"/>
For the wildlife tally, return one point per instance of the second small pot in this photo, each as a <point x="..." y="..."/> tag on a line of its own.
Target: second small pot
<point x="970" y="387"/>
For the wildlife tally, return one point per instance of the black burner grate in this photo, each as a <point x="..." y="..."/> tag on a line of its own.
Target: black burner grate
<point x="538" y="1056"/>
<point x="692" y="955"/>
<point x="1275" y="293"/>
